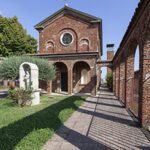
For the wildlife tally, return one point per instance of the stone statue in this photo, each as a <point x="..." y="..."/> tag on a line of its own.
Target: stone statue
<point x="29" y="80"/>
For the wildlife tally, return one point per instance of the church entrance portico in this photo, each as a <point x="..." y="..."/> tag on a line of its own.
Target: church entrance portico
<point x="74" y="76"/>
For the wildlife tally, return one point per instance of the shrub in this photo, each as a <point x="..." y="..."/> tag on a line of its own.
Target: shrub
<point x="20" y="96"/>
<point x="9" y="68"/>
<point x="109" y="80"/>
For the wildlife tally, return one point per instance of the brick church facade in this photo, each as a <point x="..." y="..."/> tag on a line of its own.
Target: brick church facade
<point x="72" y="40"/>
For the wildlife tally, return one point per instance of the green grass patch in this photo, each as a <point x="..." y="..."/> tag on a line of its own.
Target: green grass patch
<point x="29" y="128"/>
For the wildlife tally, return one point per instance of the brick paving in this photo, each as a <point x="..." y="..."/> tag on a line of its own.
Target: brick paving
<point x="101" y="123"/>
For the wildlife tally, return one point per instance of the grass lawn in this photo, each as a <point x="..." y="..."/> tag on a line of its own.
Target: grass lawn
<point x="29" y="128"/>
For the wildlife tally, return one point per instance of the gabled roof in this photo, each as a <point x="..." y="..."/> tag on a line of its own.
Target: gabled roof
<point x="69" y="10"/>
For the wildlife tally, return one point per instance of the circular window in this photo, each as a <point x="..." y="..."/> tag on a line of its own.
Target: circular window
<point x="66" y="38"/>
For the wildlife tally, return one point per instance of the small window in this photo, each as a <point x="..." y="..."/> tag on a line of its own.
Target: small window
<point x="49" y="47"/>
<point x="84" y="42"/>
<point x="49" y="44"/>
<point x="84" y="76"/>
<point x="66" y="38"/>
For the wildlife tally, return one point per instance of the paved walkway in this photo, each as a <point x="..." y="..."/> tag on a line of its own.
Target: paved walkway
<point x="99" y="124"/>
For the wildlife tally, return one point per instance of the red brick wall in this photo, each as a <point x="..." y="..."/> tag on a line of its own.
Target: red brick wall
<point x="82" y="32"/>
<point x="110" y="55"/>
<point x="138" y="34"/>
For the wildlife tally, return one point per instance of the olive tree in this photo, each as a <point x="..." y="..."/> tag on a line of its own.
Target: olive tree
<point x="9" y="68"/>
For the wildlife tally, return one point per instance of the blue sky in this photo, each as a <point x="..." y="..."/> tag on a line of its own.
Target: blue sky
<point x="116" y="14"/>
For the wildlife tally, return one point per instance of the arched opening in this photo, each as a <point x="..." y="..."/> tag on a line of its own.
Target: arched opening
<point x="132" y="78"/>
<point x="135" y="96"/>
<point x="81" y="78"/>
<point x="106" y="75"/>
<point x="103" y="75"/>
<point x="60" y="84"/>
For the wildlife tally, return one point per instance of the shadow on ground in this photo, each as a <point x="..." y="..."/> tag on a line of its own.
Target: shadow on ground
<point x="80" y="141"/>
<point x="12" y="134"/>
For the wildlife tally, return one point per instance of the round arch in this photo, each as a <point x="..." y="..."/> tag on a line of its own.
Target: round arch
<point x="132" y="76"/>
<point x="60" y="84"/>
<point x="81" y="77"/>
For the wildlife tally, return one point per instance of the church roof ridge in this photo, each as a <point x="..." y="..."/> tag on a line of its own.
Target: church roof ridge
<point x="91" y="17"/>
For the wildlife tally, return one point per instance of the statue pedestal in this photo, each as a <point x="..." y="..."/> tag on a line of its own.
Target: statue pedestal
<point x="36" y="97"/>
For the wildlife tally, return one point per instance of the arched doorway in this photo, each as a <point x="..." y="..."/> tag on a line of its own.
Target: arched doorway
<point x="81" y="78"/>
<point x="60" y="84"/>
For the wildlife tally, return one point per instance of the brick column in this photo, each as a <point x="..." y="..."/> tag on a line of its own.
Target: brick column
<point x="93" y="79"/>
<point x="114" y="80"/>
<point x="98" y="72"/>
<point x="122" y="82"/>
<point x="117" y="81"/>
<point x="70" y="81"/>
<point x="145" y="83"/>
<point x="129" y="79"/>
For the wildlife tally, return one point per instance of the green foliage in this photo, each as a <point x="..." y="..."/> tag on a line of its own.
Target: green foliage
<point x="109" y="80"/>
<point x="20" y="96"/>
<point x="14" y="39"/>
<point x="9" y="68"/>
